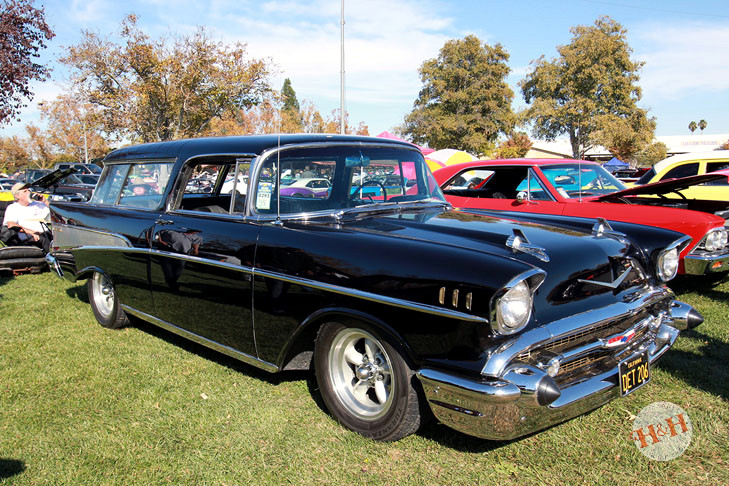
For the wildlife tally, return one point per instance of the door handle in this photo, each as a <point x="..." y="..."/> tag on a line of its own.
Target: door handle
<point x="164" y="221"/>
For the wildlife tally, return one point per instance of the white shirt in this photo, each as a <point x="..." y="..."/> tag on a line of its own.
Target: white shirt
<point x="28" y="216"/>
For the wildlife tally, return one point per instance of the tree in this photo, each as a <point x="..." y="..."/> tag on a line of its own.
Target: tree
<point x="74" y="129"/>
<point x="593" y="81"/>
<point x="653" y="153"/>
<point x="149" y="90"/>
<point x="624" y="137"/>
<point x="465" y="102"/>
<point x="515" y="147"/>
<point x="702" y="125"/>
<point x="268" y="117"/>
<point x="23" y="33"/>
<point x="13" y="154"/>
<point x="692" y="126"/>
<point x="291" y="111"/>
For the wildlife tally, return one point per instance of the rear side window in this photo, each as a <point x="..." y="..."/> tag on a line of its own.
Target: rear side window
<point x="134" y="185"/>
<point x="711" y="167"/>
<point x="684" y="170"/>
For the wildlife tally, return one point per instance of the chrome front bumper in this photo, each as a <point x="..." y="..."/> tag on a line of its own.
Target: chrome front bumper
<point x="513" y="404"/>
<point x="705" y="264"/>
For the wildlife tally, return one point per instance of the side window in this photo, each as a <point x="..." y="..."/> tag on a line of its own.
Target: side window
<point x="266" y="189"/>
<point x="534" y="188"/>
<point x="144" y="185"/>
<point x="713" y="166"/>
<point x="684" y="170"/>
<point x="107" y="190"/>
<point x="470" y="179"/>
<point x="202" y="180"/>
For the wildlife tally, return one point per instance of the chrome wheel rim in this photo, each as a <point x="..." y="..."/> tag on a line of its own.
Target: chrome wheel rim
<point x="103" y="294"/>
<point x="360" y="371"/>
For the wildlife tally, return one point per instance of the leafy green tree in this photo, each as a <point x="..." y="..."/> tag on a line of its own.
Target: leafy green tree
<point x="465" y="102"/>
<point x="653" y="153"/>
<point x="23" y="33"/>
<point x="592" y="82"/>
<point x="290" y="111"/>
<point x="150" y="90"/>
<point x="702" y="125"/>
<point x="692" y="126"/>
<point x="625" y="136"/>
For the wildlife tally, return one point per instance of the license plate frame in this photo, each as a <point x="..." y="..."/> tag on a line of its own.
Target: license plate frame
<point x="633" y="373"/>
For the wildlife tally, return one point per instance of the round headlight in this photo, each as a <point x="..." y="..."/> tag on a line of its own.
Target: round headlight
<point x="667" y="265"/>
<point x="714" y="240"/>
<point x="513" y="309"/>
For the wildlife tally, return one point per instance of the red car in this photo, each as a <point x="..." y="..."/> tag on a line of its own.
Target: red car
<point x="565" y="187"/>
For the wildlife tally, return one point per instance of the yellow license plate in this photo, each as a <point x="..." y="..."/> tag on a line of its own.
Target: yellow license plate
<point x="634" y="373"/>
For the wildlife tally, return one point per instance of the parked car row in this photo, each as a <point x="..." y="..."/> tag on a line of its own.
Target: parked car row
<point x="560" y="187"/>
<point x="500" y="323"/>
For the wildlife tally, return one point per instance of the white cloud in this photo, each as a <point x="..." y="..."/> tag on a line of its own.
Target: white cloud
<point x="683" y="58"/>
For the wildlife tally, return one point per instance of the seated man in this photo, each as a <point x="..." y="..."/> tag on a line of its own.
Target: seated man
<point x="23" y="219"/>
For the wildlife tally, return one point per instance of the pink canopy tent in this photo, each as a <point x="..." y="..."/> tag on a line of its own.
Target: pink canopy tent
<point x="390" y="136"/>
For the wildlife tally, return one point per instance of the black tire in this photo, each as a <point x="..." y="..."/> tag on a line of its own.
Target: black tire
<point x="12" y="252"/>
<point x="105" y="303"/>
<point x="358" y="389"/>
<point x="22" y="263"/>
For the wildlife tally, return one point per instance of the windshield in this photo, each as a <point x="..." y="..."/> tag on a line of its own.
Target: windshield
<point x="580" y="180"/>
<point x="340" y="177"/>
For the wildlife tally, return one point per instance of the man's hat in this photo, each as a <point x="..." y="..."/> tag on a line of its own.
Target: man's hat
<point x="18" y="187"/>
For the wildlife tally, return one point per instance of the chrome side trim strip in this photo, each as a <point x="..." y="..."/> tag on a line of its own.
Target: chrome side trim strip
<point x="380" y="299"/>
<point x="72" y="236"/>
<point x="234" y="353"/>
<point x="358" y="294"/>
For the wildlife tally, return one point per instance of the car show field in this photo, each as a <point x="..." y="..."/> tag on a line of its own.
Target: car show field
<point x="165" y="410"/>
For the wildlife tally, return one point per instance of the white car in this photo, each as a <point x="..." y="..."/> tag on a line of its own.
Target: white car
<point x="308" y="185"/>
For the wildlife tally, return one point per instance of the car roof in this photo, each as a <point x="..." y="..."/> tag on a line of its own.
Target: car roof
<point x="238" y="145"/>
<point x="712" y="155"/>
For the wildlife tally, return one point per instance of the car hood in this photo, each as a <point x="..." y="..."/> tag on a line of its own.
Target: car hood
<point x="664" y="187"/>
<point x="52" y="179"/>
<point x="473" y="247"/>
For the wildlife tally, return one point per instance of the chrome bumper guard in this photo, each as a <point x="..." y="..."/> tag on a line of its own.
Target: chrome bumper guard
<point x="525" y="399"/>
<point x="54" y="265"/>
<point x="696" y="264"/>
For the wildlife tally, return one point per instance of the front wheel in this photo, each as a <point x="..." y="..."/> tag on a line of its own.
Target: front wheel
<point x="365" y="383"/>
<point x="105" y="303"/>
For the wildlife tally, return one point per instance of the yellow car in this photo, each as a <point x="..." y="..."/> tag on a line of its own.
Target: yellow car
<point x="697" y="163"/>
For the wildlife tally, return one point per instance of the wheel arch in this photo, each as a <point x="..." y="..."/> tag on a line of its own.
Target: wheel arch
<point x="299" y="349"/>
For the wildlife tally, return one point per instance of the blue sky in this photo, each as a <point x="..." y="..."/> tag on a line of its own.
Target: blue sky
<point x="684" y="44"/>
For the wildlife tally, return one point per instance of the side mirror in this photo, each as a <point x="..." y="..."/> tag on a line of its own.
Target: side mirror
<point x="522" y="197"/>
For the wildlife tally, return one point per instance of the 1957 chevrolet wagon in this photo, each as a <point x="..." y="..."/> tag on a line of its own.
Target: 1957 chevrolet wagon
<point x="397" y="301"/>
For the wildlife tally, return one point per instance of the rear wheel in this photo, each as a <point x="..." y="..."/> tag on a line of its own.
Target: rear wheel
<point x="365" y="382"/>
<point x="105" y="303"/>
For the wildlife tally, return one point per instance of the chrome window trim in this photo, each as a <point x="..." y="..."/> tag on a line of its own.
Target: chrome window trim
<point x="129" y="162"/>
<point x="179" y="190"/>
<point x="246" y="358"/>
<point x="269" y="152"/>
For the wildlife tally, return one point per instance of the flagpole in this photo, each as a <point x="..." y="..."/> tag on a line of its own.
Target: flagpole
<point x="341" y="87"/>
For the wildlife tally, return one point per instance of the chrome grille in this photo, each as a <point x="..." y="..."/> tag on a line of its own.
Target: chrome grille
<point x="594" y="358"/>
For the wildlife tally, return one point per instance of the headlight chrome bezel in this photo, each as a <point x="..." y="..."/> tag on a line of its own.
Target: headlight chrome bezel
<point x="668" y="260"/>
<point x="524" y="283"/>
<point x="715" y="240"/>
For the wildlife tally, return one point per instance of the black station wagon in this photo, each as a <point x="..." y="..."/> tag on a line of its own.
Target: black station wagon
<point x="398" y="302"/>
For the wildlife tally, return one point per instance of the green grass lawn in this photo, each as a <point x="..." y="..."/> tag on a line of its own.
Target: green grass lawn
<point x="80" y="404"/>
